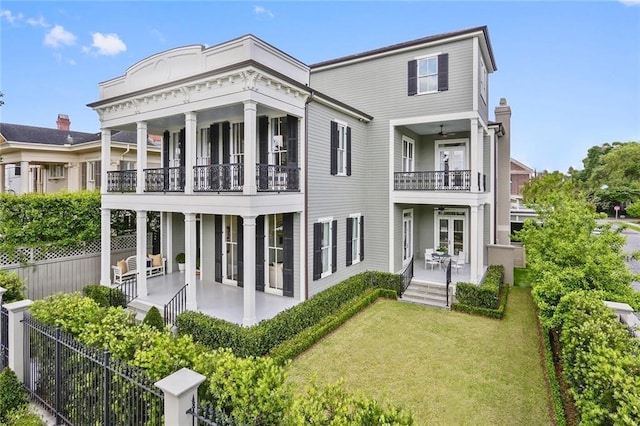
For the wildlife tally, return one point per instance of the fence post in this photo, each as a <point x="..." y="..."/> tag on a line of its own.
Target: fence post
<point x="16" y="336"/>
<point x="2" y="291"/>
<point x="180" y="388"/>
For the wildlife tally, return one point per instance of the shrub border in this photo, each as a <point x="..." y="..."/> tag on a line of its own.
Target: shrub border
<point x="485" y="312"/>
<point x="552" y="378"/>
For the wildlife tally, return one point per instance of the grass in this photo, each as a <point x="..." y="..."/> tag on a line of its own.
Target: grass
<point x="522" y="278"/>
<point x="445" y="367"/>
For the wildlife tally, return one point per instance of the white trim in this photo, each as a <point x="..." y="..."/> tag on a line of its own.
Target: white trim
<point x="417" y="58"/>
<point x="355" y="260"/>
<point x="438" y="118"/>
<point x="355" y="215"/>
<point x="391" y="234"/>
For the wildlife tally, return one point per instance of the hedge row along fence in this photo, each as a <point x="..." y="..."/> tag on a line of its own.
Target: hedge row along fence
<point x="488" y="299"/>
<point x="260" y="339"/>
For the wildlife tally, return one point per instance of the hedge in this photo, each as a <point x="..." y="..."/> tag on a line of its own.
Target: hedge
<point x="497" y="313"/>
<point x="489" y="298"/>
<point x="261" y="338"/>
<point x="556" y="396"/>
<point x="105" y="296"/>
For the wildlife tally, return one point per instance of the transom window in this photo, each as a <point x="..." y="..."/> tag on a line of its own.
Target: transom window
<point x="428" y="74"/>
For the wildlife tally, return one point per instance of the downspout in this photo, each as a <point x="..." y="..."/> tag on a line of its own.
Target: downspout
<point x="123" y="154"/>
<point x="306" y="193"/>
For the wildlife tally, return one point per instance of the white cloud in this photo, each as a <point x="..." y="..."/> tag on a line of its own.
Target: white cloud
<point x="40" y="22"/>
<point x="107" y="44"/>
<point x="630" y="2"/>
<point x="10" y="17"/>
<point x="260" y="10"/>
<point x="58" y="37"/>
<point x="158" y="34"/>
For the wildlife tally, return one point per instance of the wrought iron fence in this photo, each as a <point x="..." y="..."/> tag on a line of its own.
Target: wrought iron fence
<point x="455" y="180"/>
<point x="175" y="306"/>
<point x="448" y="279"/>
<point x="129" y="289"/>
<point x="209" y="415"/>
<point x="407" y="276"/>
<point x="4" y="337"/>
<point x="167" y="179"/>
<point x="271" y="177"/>
<point x="84" y="386"/>
<point x="219" y="178"/>
<point x="121" y="181"/>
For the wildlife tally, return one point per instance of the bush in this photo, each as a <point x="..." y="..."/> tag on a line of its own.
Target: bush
<point x="14" y="285"/>
<point x="153" y="319"/>
<point x="23" y="417"/>
<point x="633" y="210"/>
<point x="71" y="311"/>
<point x="105" y="296"/>
<point x="487" y="299"/>
<point x="12" y="393"/>
<point x="486" y="312"/>
<point x="261" y="338"/>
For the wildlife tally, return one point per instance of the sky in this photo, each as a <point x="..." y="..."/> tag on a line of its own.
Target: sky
<point x="569" y="70"/>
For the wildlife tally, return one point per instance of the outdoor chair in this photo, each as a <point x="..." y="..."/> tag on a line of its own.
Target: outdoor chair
<point x="429" y="260"/>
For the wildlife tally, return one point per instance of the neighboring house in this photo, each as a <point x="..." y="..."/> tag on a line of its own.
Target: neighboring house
<point x="38" y="159"/>
<point x="520" y="174"/>
<point x="270" y="166"/>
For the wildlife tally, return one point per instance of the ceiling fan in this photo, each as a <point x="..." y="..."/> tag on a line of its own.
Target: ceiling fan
<point x="443" y="134"/>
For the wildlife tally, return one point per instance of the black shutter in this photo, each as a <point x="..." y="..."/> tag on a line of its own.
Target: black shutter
<point x="214" y="138"/>
<point x="182" y="144"/>
<point x="260" y="253"/>
<point x="83" y="175"/>
<point x="334" y="246"/>
<point x="263" y="148"/>
<point x="443" y="72"/>
<point x="348" y="151"/>
<point x="334" y="148"/>
<point x="412" y="82"/>
<point x="288" y="250"/>
<point x="166" y="139"/>
<point x="217" y="220"/>
<point x="349" y="238"/>
<point x="292" y="153"/>
<point x="317" y="251"/>
<point x="226" y="155"/>
<point x="361" y="237"/>
<point x="240" y="249"/>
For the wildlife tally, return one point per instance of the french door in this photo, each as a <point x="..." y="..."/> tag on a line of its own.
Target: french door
<point x="407" y="235"/>
<point x="275" y="239"/>
<point x="452" y="159"/>
<point x="230" y="253"/>
<point x="450" y="233"/>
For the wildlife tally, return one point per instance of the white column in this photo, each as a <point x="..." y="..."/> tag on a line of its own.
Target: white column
<point x="481" y="258"/>
<point x="190" y="150"/>
<point x="16" y="336"/>
<point x="250" y="147"/>
<point x="190" y="260"/>
<point x="474" y="146"/>
<point x="105" y="247"/>
<point x="249" y="261"/>
<point x="141" y="251"/>
<point x="171" y="254"/>
<point x="25" y="177"/>
<point x="105" y="159"/>
<point x="2" y="291"/>
<point x="180" y="391"/>
<point x="141" y="160"/>
<point x="303" y="256"/>
<point x="473" y="244"/>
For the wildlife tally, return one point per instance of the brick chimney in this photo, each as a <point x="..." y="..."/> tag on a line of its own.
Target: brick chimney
<point x="63" y="122"/>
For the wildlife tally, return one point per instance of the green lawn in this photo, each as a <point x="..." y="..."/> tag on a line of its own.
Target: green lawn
<point x="447" y="368"/>
<point x="521" y="277"/>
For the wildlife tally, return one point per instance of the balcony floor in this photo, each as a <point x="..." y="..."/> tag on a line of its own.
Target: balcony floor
<point x="215" y="299"/>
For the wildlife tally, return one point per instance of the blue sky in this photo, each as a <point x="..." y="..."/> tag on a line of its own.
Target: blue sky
<point x="569" y="70"/>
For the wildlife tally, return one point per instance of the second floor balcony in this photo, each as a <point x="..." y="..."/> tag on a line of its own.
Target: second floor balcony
<point x="454" y="180"/>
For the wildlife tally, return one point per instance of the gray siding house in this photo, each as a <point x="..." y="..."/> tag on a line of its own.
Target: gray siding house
<point x="270" y="167"/>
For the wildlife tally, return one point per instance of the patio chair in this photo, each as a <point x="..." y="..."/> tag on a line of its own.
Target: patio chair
<point x="458" y="262"/>
<point x="429" y="260"/>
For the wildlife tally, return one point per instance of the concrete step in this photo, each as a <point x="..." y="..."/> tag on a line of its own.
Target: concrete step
<point x="435" y="303"/>
<point x="428" y="293"/>
<point x="141" y="307"/>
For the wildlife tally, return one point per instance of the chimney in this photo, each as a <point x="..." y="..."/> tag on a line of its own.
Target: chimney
<point x="503" y="174"/>
<point x="63" y="122"/>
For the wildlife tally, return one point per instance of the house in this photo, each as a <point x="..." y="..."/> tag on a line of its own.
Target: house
<point x="39" y="159"/>
<point x="271" y="166"/>
<point x="520" y="174"/>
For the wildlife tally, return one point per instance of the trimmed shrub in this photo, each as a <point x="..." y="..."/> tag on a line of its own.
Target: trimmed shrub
<point x="14" y="285"/>
<point x="153" y="319"/>
<point x="23" y="417"/>
<point x="488" y="299"/>
<point x="105" y="296"/>
<point x="485" y="312"/>
<point x="633" y="210"/>
<point x="12" y="393"/>
<point x="71" y="311"/>
<point x="261" y="338"/>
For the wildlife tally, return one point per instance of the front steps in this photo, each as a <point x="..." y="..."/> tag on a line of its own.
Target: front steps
<point x="141" y="307"/>
<point x="430" y="294"/>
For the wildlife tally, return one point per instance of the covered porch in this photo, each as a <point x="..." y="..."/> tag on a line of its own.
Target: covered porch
<point x="438" y="274"/>
<point x="214" y="299"/>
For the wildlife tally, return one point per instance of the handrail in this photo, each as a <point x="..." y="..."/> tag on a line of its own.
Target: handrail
<point x="121" y="180"/>
<point x="129" y="288"/>
<point x="407" y="276"/>
<point x="453" y="180"/>
<point x="448" y="279"/>
<point x="175" y="306"/>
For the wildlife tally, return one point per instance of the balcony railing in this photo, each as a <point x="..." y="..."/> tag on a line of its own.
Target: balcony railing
<point x="218" y="178"/>
<point x="270" y="177"/>
<point x="456" y="180"/>
<point x="170" y="179"/>
<point x="121" y="181"/>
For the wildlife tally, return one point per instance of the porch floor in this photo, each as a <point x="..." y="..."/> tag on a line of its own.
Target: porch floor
<point x="438" y="274"/>
<point x="215" y="299"/>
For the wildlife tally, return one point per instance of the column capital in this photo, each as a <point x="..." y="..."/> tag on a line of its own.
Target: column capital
<point x="189" y="217"/>
<point x="250" y="104"/>
<point x="190" y="115"/>
<point x="141" y="124"/>
<point x="249" y="220"/>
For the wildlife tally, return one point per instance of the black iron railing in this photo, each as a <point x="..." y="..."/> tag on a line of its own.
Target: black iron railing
<point x="121" y="181"/>
<point x="208" y="414"/>
<point x="129" y="289"/>
<point x="407" y="276"/>
<point x="456" y="180"/>
<point x="270" y="177"/>
<point x="175" y="306"/>
<point x="167" y="179"/>
<point x="81" y="385"/>
<point x="4" y="337"/>
<point x="448" y="279"/>
<point x="218" y="178"/>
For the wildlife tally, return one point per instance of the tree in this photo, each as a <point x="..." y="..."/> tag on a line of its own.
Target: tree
<point x="545" y="185"/>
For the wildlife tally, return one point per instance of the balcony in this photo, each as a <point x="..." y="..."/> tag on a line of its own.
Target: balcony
<point x="121" y="181"/>
<point x="273" y="178"/>
<point x="456" y="180"/>
<point x="218" y="178"/>
<point x="170" y="179"/>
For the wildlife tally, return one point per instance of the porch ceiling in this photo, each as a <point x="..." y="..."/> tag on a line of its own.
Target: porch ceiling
<point x="434" y="128"/>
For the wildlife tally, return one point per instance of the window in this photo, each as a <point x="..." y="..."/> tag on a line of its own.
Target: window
<point x="237" y="143"/>
<point x="278" y="148"/>
<point x="203" y="147"/>
<point x="355" y="239"/>
<point x="407" y="154"/>
<point x="325" y="235"/>
<point x="483" y="81"/>
<point x="56" y="171"/>
<point x="275" y="232"/>
<point x="428" y="74"/>
<point x="340" y="149"/>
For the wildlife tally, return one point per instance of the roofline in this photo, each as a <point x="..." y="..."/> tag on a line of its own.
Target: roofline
<point x="77" y="146"/>
<point x="410" y="45"/>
